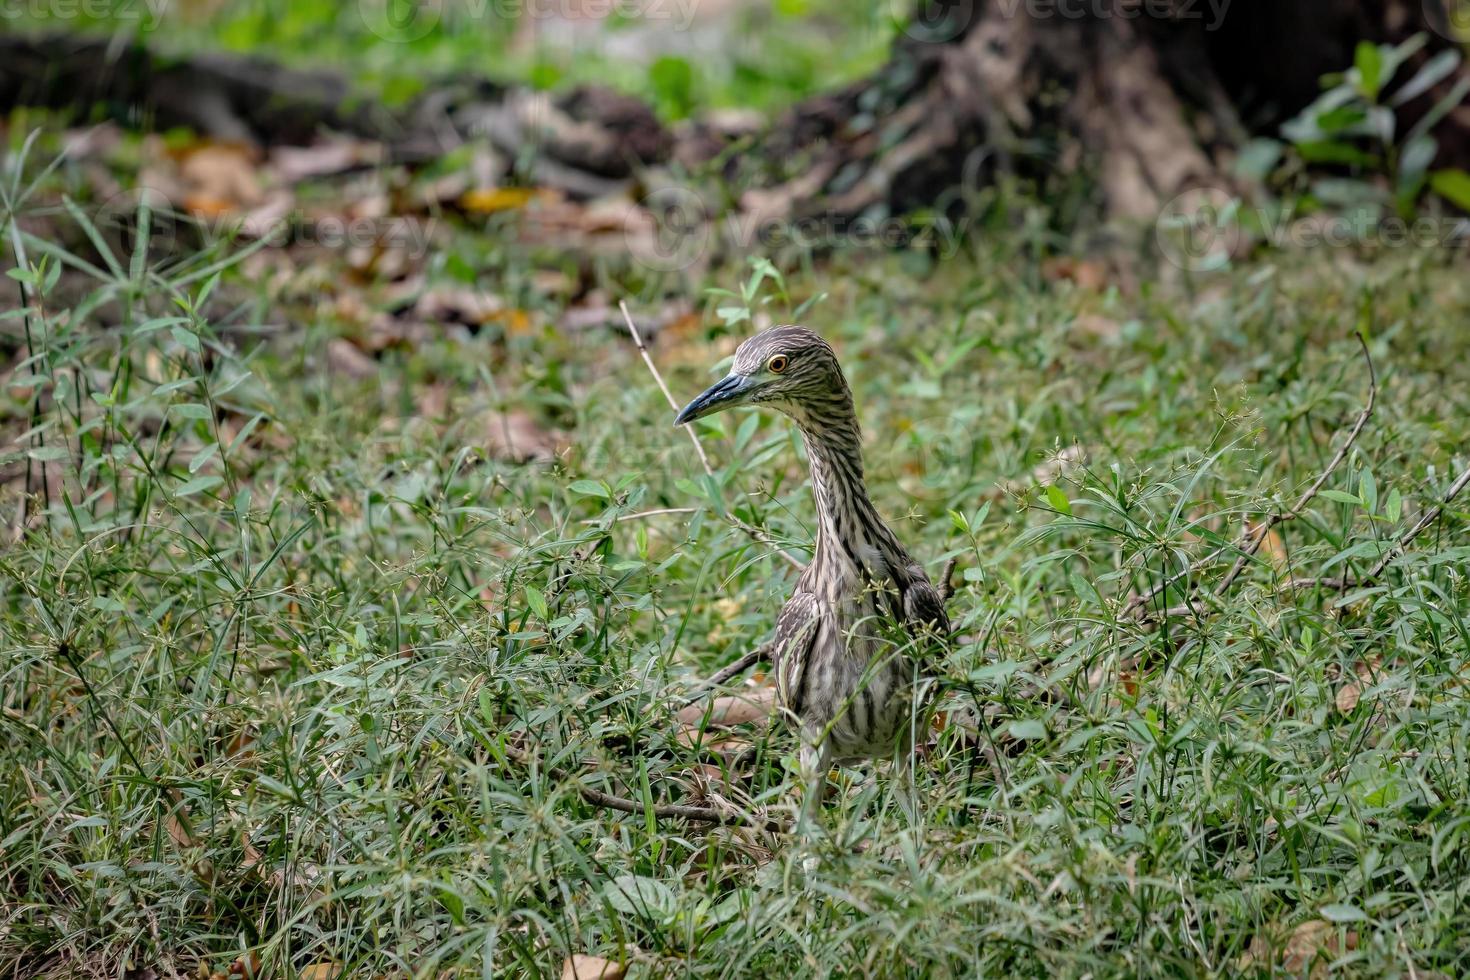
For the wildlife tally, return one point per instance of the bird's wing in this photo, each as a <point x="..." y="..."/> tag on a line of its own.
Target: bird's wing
<point x="796" y="632"/>
<point x="923" y="606"/>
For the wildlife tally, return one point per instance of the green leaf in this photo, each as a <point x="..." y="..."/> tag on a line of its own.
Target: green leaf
<point x="1435" y="70"/>
<point x="1453" y="186"/>
<point x="590" y="488"/>
<point x="193" y="410"/>
<point x="1343" y="913"/>
<point x="1026" y="728"/>
<point x="537" y="601"/>
<point x="185" y="338"/>
<point x="1258" y="159"/>
<point x="1368" y="490"/>
<point x="203" y="456"/>
<point x="1395" y="505"/>
<point x="1058" y="500"/>
<point x="1333" y="151"/>
<point x="198" y="484"/>
<point x="637" y="895"/>
<point x="1415" y="159"/>
<point x="1369" y="62"/>
<point x="1342" y="498"/>
<point x="672" y="80"/>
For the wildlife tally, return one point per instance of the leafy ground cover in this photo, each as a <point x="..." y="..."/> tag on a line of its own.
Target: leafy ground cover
<point x="675" y="54"/>
<point x="327" y="592"/>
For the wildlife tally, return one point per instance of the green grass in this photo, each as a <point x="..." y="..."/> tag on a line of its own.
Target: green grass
<point x="294" y="667"/>
<point x="679" y="55"/>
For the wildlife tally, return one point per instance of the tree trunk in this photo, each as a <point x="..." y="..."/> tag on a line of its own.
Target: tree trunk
<point x="1145" y="97"/>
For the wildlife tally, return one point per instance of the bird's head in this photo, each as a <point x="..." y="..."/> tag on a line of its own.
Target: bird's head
<point x="788" y="368"/>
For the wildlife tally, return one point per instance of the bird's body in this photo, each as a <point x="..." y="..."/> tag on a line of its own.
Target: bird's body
<point x="849" y="639"/>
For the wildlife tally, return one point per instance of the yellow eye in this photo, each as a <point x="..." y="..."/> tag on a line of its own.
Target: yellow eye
<point x="776" y="364"/>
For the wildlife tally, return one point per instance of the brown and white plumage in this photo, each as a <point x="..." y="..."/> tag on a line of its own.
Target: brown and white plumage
<point x="849" y="639"/>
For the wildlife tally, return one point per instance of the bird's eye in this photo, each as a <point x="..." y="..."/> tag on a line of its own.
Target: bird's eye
<point x="776" y="364"/>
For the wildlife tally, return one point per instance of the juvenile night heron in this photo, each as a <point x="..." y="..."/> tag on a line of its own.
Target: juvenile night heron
<point x="848" y="641"/>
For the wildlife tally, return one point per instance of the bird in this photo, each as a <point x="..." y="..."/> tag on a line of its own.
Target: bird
<point x="849" y="644"/>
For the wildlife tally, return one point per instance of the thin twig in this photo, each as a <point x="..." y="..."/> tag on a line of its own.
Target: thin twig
<point x="1250" y="542"/>
<point x="661" y="811"/>
<point x="1306" y="498"/>
<point x="1420" y="526"/>
<point x="762" y="652"/>
<point x="668" y="395"/>
<point x="755" y="533"/>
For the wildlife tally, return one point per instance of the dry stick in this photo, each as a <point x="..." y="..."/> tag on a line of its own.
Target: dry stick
<point x="662" y="811"/>
<point x="755" y="533"/>
<point x="1250" y="542"/>
<point x="762" y="652"/>
<point x="1306" y="498"/>
<point x="1420" y="526"/>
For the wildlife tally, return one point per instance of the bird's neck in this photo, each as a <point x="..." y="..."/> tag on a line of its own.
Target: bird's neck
<point x="849" y="528"/>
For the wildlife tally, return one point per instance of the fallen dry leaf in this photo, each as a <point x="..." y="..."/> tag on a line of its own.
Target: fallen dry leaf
<point x="247" y="966"/>
<point x="1312" y="944"/>
<point x="323" y="158"/>
<point x="517" y="437"/>
<point x="458" y="304"/>
<point x="220" y="177"/>
<point x="488" y="200"/>
<point x="1365" y="674"/>
<point x="734" y="709"/>
<point x="1084" y="272"/>
<point x="724" y="712"/>
<point x="321" y="971"/>
<point x="432" y="400"/>
<point x="1308" y="940"/>
<point x="580" y="967"/>
<point x="1096" y="325"/>
<point x="344" y="358"/>
<point x="1273" y="549"/>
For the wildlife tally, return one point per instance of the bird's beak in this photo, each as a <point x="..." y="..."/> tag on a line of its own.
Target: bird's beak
<point x="731" y="390"/>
